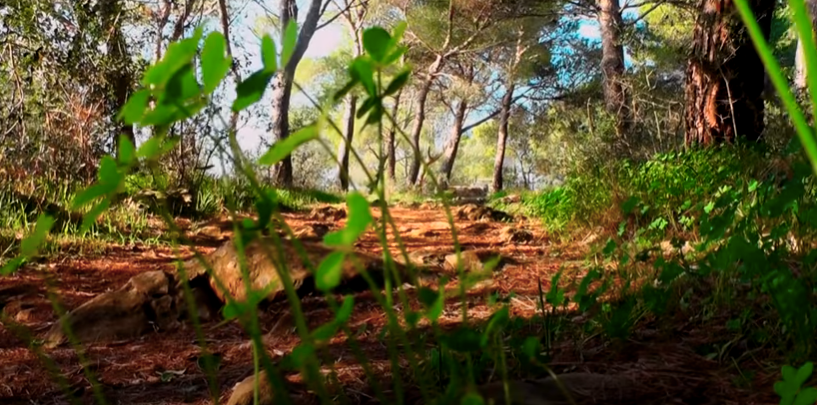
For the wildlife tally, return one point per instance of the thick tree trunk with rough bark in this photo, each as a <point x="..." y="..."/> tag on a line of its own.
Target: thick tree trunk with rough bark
<point x="452" y="144"/>
<point x="392" y="135"/>
<point x="612" y="64"/>
<point x="419" y="119"/>
<point x="502" y="138"/>
<point x="725" y="76"/>
<point x="346" y="144"/>
<point x="800" y="77"/>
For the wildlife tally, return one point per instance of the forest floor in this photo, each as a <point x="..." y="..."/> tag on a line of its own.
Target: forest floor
<point x="161" y="367"/>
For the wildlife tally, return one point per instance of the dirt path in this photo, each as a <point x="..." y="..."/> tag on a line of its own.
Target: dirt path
<point x="161" y="368"/>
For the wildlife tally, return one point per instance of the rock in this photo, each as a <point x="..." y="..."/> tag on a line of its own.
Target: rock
<point x="472" y="261"/>
<point x="262" y="271"/>
<point x="473" y="212"/>
<point x="243" y="392"/>
<point x="141" y="305"/>
<point x="515" y="235"/>
<point x="424" y="257"/>
<point x="584" y="388"/>
<point x="327" y="213"/>
<point x="510" y="199"/>
<point x="312" y="231"/>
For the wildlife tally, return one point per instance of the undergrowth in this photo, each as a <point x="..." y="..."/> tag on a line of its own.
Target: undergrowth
<point x="750" y="220"/>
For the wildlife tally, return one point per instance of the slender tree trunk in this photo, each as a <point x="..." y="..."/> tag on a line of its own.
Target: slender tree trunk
<point x="725" y="76"/>
<point x="800" y="78"/>
<point x="419" y="119"/>
<point x="452" y="144"/>
<point x="118" y="75"/>
<point x="502" y="138"/>
<point x="281" y="93"/>
<point x="282" y="85"/>
<point x="392" y="135"/>
<point x="612" y="64"/>
<point x="346" y="145"/>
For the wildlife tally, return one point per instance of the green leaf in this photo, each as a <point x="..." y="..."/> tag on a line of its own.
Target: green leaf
<point x="361" y="70"/>
<point x="290" y="40"/>
<point x="127" y="152"/>
<point x="178" y="54"/>
<point x="268" y="54"/>
<point x="325" y="332"/>
<point x="464" y="340"/>
<point x="803" y="373"/>
<point x="531" y="347"/>
<point x="498" y="320"/>
<point x="345" y="90"/>
<point x="109" y="171"/>
<point x="12" y="265"/>
<point x="394" y="56"/>
<point x="807" y="396"/>
<point x="334" y="238"/>
<point x="301" y="353"/>
<point x="251" y="89"/>
<point x="399" y="29"/>
<point x="329" y="272"/>
<point x="367" y="105"/>
<point x="89" y="219"/>
<point x="472" y="398"/>
<point x="376" y="41"/>
<point x="345" y="310"/>
<point x="134" y="109"/>
<point x="156" y="146"/>
<point x="31" y="244"/>
<point x="359" y="216"/>
<point x="398" y="82"/>
<point x="214" y="63"/>
<point x="234" y="310"/>
<point x="181" y="86"/>
<point x="286" y="146"/>
<point x="89" y="194"/>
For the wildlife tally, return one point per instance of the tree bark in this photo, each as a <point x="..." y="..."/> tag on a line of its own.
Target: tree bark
<point x="612" y="64"/>
<point x="119" y="74"/>
<point x="392" y="135"/>
<point x="452" y="144"/>
<point x="282" y="85"/>
<point x="419" y="119"/>
<point x="281" y="93"/>
<point x="725" y="76"/>
<point x="502" y="138"/>
<point x="800" y="78"/>
<point x="346" y="144"/>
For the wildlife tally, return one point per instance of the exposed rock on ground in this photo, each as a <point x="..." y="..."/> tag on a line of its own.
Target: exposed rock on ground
<point x="148" y="300"/>
<point x="512" y="234"/>
<point x="473" y="212"/>
<point x="155" y="300"/>
<point x="327" y="213"/>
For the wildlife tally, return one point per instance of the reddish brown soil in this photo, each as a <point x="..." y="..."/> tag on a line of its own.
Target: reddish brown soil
<point x="131" y="372"/>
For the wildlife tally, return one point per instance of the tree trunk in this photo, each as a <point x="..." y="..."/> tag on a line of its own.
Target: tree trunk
<point x="452" y="144"/>
<point x="118" y="75"/>
<point x="282" y="85"/>
<point x="502" y="138"/>
<point x="800" y="83"/>
<point x="612" y="64"/>
<point x="725" y="76"/>
<point x="346" y="144"/>
<point x="281" y="92"/>
<point x="392" y="135"/>
<point x="419" y="119"/>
